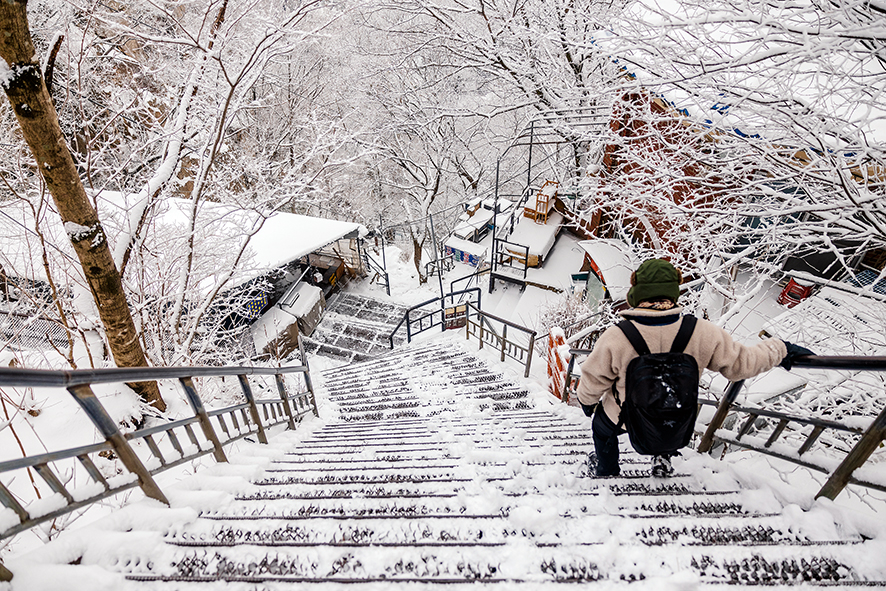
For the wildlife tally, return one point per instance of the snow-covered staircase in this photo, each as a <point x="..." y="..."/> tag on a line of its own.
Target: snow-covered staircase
<point x="441" y="470"/>
<point x="355" y="328"/>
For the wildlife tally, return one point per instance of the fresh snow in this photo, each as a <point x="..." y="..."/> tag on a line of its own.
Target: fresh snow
<point x="135" y="532"/>
<point x="130" y="527"/>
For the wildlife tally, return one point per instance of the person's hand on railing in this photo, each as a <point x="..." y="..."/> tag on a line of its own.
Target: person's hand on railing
<point x="794" y="351"/>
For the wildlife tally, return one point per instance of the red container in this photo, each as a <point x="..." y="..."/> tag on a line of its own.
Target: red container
<point x="793" y="293"/>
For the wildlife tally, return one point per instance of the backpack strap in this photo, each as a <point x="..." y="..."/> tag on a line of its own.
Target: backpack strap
<point x="684" y="334"/>
<point x="634" y="336"/>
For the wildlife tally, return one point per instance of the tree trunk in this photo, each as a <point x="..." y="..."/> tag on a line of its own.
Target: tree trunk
<point x="26" y="89"/>
<point x="417" y="249"/>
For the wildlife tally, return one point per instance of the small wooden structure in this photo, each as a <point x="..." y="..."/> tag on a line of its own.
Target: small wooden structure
<point x="544" y="201"/>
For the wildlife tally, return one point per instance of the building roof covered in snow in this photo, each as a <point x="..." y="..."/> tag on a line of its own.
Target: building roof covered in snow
<point x="267" y="240"/>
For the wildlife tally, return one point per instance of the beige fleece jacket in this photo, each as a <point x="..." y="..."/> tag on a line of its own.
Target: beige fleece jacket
<point x="710" y="345"/>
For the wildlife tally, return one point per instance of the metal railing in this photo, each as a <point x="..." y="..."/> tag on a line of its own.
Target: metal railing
<point x="458" y="313"/>
<point x="482" y="327"/>
<point x="469" y="278"/>
<point x="373" y="266"/>
<point x="168" y="444"/>
<point x="789" y="437"/>
<point x="510" y="255"/>
<point x="570" y="373"/>
<point x="439" y="266"/>
<point x="767" y="431"/>
<point x="432" y="313"/>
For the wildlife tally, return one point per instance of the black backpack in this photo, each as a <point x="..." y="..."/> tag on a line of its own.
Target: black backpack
<point x="661" y="393"/>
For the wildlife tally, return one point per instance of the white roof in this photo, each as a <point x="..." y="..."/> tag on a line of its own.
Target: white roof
<point x="222" y="230"/>
<point x="279" y="238"/>
<point x="616" y="262"/>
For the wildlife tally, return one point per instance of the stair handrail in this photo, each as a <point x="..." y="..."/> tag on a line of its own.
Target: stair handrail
<point x="468" y="278"/>
<point x="438" y="265"/>
<point x="255" y="417"/>
<point x="498" y="255"/>
<point x="573" y="353"/>
<point x="840" y="477"/>
<point x="378" y="269"/>
<point x="508" y="347"/>
<point x="441" y="300"/>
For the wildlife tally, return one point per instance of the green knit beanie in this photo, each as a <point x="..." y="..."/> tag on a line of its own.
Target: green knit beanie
<point x="654" y="279"/>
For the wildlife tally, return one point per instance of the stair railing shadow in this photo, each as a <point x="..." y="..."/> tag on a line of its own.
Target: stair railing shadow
<point x="183" y="440"/>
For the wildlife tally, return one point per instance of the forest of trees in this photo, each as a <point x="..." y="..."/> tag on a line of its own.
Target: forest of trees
<point x="378" y="112"/>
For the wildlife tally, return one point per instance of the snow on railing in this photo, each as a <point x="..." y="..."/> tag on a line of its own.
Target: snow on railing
<point x="162" y="447"/>
<point x="486" y="328"/>
<point x="791" y="437"/>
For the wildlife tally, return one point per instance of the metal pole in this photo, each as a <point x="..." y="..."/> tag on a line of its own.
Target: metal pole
<point x="381" y="233"/>
<point x="707" y="440"/>
<point x="494" y="226"/>
<point x="253" y="409"/>
<point x="504" y="341"/>
<point x="859" y="454"/>
<point x="203" y="419"/>
<point x="482" y="325"/>
<point x="309" y="384"/>
<point x="564" y="396"/>
<point x="468" y="321"/>
<point x="360" y="260"/>
<point x="438" y="262"/>
<point x="529" y="354"/>
<point x="281" y="388"/>
<point x="529" y="167"/>
<point x="85" y="397"/>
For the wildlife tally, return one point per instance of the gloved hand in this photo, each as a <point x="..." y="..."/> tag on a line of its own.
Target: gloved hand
<point x="588" y="409"/>
<point x="794" y="351"/>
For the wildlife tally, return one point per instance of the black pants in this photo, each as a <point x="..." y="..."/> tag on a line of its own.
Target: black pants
<point x="606" y="443"/>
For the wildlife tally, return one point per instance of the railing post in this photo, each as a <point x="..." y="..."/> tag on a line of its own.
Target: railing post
<point x="5" y="575"/>
<point x="482" y="326"/>
<point x="408" y="328"/>
<point x="529" y="354"/>
<point x="504" y="340"/>
<point x="564" y="396"/>
<point x="707" y="440"/>
<point x="85" y="397"/>
<point x="205" y="424"/>
<point x="253" y="409"/>
<point x="309" y="384"/>
<point x="857" y="456"/>
<point x="281" y="388"/>
<point x="468" y="321"/>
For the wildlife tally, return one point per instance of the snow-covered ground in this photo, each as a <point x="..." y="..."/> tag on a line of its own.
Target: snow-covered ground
<point x="788" y="489"/>
<point x="124" y="539"/>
